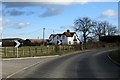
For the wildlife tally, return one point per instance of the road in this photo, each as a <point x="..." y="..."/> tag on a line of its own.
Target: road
<point x="86" y="64"/>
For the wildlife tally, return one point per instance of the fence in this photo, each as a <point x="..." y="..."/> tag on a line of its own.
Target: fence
<point x="31" y="51"/>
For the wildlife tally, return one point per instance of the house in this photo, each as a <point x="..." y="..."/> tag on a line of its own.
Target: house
<point x="0" y="42"/>
<point x="66" y="38"/>
<point x="35" y="42"/>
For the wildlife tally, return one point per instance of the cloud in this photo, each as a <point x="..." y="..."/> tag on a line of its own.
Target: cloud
<point x="15" y="12"/>
<point x="24" y="4"/>
<point x="1" y="25"/>
<point x="20" y="25"/>
<point x="45" y="4"/>
<point x="1" y="29"/>
<point x="7" y="23"/>
<point x="108" y="13"/>
<point x="51" y="12"/>
<point x="61" y="2"/>
<point x="1" y="20"/>
<point x="12" y="9"/>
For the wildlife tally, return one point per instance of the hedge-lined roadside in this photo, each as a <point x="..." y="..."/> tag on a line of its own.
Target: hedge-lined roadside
<point x="115" y="56"/>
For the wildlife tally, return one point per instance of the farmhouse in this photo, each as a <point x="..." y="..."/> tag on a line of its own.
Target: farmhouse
<point x="66" y="38"/>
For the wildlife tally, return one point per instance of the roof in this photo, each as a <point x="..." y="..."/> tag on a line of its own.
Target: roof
<point x="67" y="34"/>
<point x="53" y="35"/>
<point x="36" y="40"/>
<point x="12" y="39"/>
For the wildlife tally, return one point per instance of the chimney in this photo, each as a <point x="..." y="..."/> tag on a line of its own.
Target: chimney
<point x="68" y="30"/>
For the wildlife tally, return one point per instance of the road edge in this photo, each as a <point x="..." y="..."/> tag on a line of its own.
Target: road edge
<point x="29" y="58"/>
<point x="113" y="61"/>
<point x="5" y="59"/>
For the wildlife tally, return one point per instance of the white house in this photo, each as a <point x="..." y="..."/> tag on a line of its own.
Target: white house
<point x="67" y="38"/>
<point x="0" y="43"/>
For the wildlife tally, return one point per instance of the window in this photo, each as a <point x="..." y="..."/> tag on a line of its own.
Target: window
<point x="70" y="42"/>
<point x="53" y="38"/>
<point x="63" y="37"/>
<point x="74" y="37"/>
<point x="57" y="37"/>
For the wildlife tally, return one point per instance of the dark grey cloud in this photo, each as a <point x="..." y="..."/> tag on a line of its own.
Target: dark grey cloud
<point x="14" y="8"/>
<point x="26" y="4"/>
<point x="15" y="12"/>
<point x="51" y="12"/>
<point x="17" y="4"/>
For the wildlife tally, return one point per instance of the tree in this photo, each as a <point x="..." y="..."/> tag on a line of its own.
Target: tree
<point x="100" y="29"/>
<point x="104" y="29"/>
<point x="84" y="25"/>
<point x="97" y="30"/>
<point x="112" y="30"/>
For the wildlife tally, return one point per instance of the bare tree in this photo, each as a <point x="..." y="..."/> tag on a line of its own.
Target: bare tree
<point x="84" y="25"/>
<point x="104" y="29"/>
<point x="112" y="30"/>
<point x="97" y="30"/>
<point x="104" y="25"/>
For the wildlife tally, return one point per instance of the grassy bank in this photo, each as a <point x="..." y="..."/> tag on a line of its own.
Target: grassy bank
<point x="115" y="55"/>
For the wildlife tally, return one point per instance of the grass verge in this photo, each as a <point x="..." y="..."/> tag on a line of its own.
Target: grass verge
<point x="115" y="56"/>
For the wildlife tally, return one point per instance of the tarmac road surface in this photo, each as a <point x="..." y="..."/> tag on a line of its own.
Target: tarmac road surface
<point x="86" y="64"/>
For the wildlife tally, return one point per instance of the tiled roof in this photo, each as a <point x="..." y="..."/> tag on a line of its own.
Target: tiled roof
<point x="36" y="40"/>
<point x="67" y="34"/>
<point x="53" y="35"/>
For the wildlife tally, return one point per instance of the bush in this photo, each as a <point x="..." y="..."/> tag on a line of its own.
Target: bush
<point x="110" y="39"/>
<point x="57" y="48"/>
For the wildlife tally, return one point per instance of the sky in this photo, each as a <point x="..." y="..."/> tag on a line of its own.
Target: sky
<point x="26" y="20"/>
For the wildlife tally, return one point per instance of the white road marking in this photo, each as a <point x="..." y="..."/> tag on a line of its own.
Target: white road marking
<point x="22" y="70"/>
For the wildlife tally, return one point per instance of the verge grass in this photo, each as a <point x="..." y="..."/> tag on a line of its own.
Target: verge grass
<point x="32" y="51"/>
<point x="115" y="55"/>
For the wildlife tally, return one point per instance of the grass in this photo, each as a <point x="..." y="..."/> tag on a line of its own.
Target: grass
<point x="31" y="51"/>
<point x="115" y="55"/>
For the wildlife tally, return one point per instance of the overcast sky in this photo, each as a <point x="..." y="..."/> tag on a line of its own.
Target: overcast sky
<point x="27" y="19"/>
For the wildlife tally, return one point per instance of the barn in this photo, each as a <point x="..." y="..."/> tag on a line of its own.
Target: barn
<point x="35" y="42"/>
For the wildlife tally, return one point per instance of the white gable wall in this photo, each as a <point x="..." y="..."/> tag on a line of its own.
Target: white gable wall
<point x="54" y="40"/>
<point x="71" y="40"/>
<point x="65" y="40"/>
